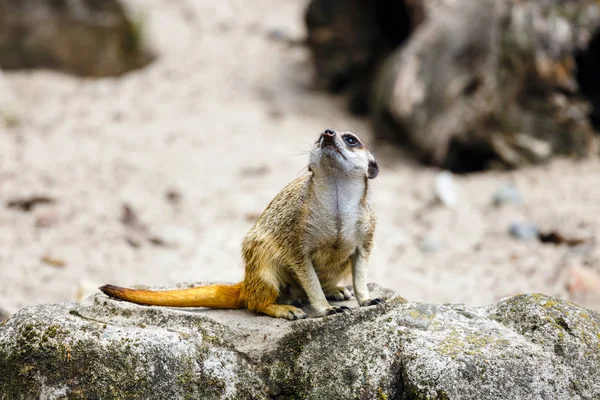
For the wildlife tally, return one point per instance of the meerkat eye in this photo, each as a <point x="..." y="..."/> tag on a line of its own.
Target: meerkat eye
<point x="350" y="140"/>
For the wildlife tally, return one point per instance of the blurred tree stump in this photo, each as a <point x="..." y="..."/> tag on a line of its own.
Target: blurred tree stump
<point x="472" y="83"/>
<point x="349" y="40"/>
<point x="84" y="37"/>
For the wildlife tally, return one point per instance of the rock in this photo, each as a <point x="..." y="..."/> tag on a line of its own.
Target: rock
<point x="528" y="346"/>
<point x="445" y="189"/>
<point x="506" y="194"/>
<point x="86" y="37"/>
<point x="490" y="82"/>
<point x="48" y="219"/>
<point x="283" y="36"/>
<point x="3" y="315"/>
<point x="523" y="230"/>
<point x="430" y="245"/>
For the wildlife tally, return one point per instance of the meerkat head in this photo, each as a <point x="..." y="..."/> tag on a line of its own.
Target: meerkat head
<point x="342" y="153"/>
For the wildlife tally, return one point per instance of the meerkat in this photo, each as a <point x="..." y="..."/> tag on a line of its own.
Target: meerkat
<point x="316" y="231"/>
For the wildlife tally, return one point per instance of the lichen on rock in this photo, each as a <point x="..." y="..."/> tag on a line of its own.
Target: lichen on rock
<point x="524" y="347"/>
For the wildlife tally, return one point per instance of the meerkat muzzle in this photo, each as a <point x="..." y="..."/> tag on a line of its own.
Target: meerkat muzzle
<point x="328" y="138"/>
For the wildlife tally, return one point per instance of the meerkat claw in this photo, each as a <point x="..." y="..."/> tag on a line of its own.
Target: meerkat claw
<point x="376" y="302"/>
<point x="297" y="315"/>
<point x="338" y="310"/>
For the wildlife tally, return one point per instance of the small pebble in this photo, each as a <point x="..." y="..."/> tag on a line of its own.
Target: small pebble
<point x="445" y="189"/>
<point x="507" y="194"/>
<point x="523" y="230"/>
<point x="278" y="35"/>
<point x="430" y="245"/>
<point x="46" y="220"/>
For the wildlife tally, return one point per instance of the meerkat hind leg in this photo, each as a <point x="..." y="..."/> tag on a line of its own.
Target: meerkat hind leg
<point x="261" y="295"/>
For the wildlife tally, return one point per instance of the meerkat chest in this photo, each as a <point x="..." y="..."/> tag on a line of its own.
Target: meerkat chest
<point x="336" y="220"/>
<point x="336" y="240"/>
<point x="339" y="228"/>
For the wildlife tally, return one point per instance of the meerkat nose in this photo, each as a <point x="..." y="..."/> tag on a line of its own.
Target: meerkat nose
<point x="328" y="138"/>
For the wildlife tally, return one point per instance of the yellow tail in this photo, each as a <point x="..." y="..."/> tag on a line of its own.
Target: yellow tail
<point x="213" y="296"/>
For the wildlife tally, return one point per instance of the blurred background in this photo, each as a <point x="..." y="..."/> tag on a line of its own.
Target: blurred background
<point x="140" y="140"/>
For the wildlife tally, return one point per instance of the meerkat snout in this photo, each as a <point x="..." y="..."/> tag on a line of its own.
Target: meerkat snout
<point x="344" y="152"/>
<point x="327" y="138"/>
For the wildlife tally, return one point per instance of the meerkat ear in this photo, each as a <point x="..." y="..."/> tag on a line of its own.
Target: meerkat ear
<point x="373" y="170"/>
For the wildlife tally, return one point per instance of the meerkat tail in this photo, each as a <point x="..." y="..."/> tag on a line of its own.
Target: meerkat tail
<point x="213" y="296"/>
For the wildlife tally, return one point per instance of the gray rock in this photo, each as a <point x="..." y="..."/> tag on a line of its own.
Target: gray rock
<point x="445" y="189"/>
<point x="526" y="347"/>
<point x="85" y="37"/>
<point x="430" y="245"/>
<point x="279" y="35"/>
<point x="523" y="231"/>
<point x="507" y="194"/>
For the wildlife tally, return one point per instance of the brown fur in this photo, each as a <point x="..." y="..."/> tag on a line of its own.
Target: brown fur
<point x="302" y="232"/>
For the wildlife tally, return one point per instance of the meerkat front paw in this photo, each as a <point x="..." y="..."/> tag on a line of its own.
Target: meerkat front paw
<point x="330" y="311"/>
<point x="338" y="293"/>
<point x="371" y="302"/>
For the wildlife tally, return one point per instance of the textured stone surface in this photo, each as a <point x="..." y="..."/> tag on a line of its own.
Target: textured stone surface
<point x="86" y="37"/>
<point x="529" y="346"/>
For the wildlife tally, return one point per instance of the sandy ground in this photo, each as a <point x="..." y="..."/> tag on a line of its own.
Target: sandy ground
<point x="223" y="119"/>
